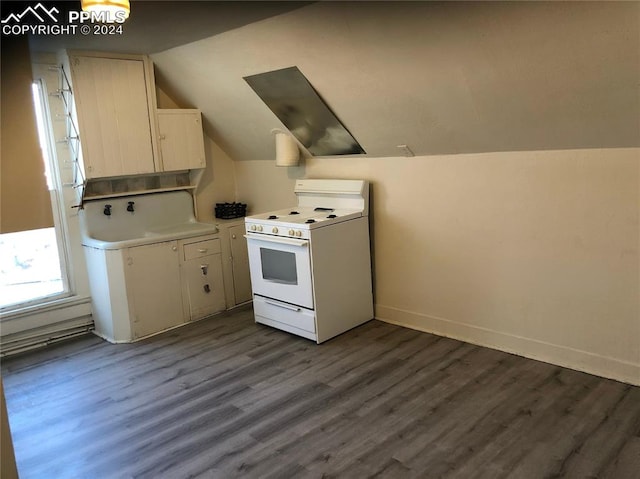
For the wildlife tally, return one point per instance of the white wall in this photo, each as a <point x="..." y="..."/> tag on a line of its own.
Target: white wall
<point x="217" y="184"/>
<point x="534" y="253"/>
<point x="532" y="250"/>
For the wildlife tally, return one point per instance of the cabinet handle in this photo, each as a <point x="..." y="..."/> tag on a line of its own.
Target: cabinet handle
<point x="203" y="250"/>
<point x="207" y="288"/>
<point x="233" y="236"/>
<point x="174" y="248"/>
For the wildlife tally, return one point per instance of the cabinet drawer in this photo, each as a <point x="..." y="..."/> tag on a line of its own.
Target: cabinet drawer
<point x="201" y="248"/>
<point x="284" y="314"/>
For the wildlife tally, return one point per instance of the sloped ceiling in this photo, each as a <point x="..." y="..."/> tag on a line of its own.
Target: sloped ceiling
<point x="450" y="77"/>
<point x="157" y="25"/>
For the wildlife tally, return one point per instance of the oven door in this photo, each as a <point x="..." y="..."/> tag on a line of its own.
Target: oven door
<point x="281" y="268"/>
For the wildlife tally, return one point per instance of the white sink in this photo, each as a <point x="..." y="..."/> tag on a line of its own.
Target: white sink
<point x="182" y="228"/>
<point x="155" y="217"/>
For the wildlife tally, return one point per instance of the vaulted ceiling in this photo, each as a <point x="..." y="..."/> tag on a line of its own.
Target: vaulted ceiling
<point x="439" y="77"/>
<point x="157" y="25"/>
<point x="446" y="77"/>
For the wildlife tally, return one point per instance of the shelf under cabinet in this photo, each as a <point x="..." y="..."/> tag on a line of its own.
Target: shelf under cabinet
<point x="140" y="192"/>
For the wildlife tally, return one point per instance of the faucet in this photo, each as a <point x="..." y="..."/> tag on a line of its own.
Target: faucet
<point x="107" y="210"/>
<point x="130" y="206"/>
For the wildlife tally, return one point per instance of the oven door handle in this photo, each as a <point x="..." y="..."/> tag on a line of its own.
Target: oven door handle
<point x="277" y="239"/>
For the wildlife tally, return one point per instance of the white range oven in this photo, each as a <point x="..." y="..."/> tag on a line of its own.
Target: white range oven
<point x="284" y="268"/>
<point x="310" y="264"/>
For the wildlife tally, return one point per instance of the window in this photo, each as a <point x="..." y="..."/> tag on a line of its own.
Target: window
<point x="33" y="263"/>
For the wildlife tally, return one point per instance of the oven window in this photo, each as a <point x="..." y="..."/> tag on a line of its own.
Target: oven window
<point x="278" y="266"/>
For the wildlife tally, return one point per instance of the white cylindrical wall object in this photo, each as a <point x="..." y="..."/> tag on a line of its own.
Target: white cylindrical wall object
<point x="287" y="153"/>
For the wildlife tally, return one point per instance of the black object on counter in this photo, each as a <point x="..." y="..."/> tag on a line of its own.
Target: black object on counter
<point x="227" y="211"/>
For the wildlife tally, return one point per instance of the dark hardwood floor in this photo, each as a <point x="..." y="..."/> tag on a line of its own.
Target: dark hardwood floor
<point x="225" y="398"/>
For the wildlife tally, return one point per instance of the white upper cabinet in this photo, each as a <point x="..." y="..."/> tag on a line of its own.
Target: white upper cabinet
<point x="181" y="139"/>
<point x="115" y="103"/>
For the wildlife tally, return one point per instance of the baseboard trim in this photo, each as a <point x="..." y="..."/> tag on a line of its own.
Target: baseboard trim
<point x="559" y="355"/>
<point x="45" y="336"/>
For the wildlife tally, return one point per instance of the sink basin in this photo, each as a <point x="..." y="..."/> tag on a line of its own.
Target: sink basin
<point x="118" y="240"/>
<point x="156" y="218"/>
<point x="184" y="228"/>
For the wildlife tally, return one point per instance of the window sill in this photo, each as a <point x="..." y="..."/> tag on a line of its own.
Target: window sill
<point x="53" y="304"/>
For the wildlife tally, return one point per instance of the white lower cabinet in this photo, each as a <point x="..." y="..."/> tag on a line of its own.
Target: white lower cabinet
<point x="202" y="281"/>
<point x="143" y="290"/>
<point x="240" y="263"/>
<point x="235" y="262"/>
<point x="153" y="287"/>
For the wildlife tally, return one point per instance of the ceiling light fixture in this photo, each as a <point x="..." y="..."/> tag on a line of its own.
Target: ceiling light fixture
<point x="109" y="11"/>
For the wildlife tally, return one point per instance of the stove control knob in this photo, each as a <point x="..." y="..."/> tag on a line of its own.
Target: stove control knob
<point x="298" y="233"/>
<point x="259" y="228"/>
<point x="291" y="232"/>
<point x="274" y="230"/>
<point x="253" y="227"/>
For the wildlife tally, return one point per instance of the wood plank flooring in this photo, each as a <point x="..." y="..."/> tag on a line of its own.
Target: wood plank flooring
<point x="226" y="398"/>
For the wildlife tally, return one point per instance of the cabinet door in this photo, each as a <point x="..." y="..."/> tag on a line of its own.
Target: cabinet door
<point x="114" y="116"/>
<point x="181" y="139"/>
<point x="204" y="285"/>
<point x="153" y="287"/>
<point x="240" y="259"/>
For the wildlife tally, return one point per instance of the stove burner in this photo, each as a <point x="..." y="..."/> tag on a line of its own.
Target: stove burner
<point x="272" y="217"/>
<point x="294" y="213"/>
<point x="332" y="216"/>
<point x="310" y="220"/>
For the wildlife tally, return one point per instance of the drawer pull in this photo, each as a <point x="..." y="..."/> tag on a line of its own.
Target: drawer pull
<point x="201" y="249"/>
<point x="285" y="306"/>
